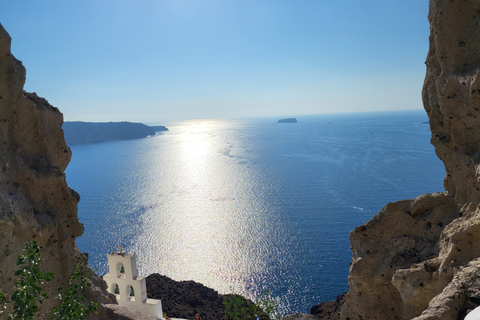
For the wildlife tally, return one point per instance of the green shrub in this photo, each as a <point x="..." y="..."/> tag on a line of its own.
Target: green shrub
<point x="28" y="291"/>
<point x="73" y="304"/>
<point x="3" y="303"/>
<point x="239" y="308"/>
<point x="266" y="303"/>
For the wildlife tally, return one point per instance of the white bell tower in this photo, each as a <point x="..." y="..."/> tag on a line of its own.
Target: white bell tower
<point x="129" y="289"/>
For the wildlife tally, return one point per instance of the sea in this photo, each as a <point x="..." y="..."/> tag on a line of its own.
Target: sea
<point x="251" y="205"/>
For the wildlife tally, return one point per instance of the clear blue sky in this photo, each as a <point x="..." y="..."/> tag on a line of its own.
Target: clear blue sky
<point x="155" y="61"/>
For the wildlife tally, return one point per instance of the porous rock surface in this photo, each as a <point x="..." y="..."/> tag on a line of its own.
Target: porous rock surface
<point x="418" y="258"/>
<point x="35" y="200"/>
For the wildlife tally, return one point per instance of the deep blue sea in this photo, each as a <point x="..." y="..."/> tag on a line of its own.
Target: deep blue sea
<point x="250" y="204"/>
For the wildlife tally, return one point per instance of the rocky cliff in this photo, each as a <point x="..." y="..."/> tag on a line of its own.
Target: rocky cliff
<point x="35" y="200"/>
<point x="418" y="258"/>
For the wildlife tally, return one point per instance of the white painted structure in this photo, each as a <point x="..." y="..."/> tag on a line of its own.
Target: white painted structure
<point x="129" y="289"/>
<point x="474" y="314"/>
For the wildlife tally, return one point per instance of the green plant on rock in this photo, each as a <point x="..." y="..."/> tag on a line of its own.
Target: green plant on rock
<point x="3" y="303"/>
<point x="266" y="303"/>
<point x="28" y="291"/>
<point x="73" y="304"/>
<point x="237" y="308"/>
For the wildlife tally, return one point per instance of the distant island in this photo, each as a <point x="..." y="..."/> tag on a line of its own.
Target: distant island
<point x="288" y="120"/>
<point x="78" y="132"/>
<point x="159" y="128"/>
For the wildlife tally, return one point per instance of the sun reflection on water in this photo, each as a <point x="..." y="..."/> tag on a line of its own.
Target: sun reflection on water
<point x="212" y="223"/>
<point x="249" y="205"/>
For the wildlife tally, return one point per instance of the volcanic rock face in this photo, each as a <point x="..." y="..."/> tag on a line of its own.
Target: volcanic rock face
<point x="329" y="310"/>
<point x="184" y="299"/>
<point x="35" y="201"/>
<point x="415" y="259"/>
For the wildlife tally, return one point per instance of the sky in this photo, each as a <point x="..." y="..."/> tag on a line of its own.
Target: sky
<point x="157" y="61"/>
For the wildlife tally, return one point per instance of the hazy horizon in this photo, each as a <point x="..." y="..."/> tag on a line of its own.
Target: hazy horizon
<point x="163" y="61"/>
<point x="273" y="117"/>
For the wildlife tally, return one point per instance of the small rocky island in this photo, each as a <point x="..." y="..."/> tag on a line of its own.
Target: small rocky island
<point x="78" y="132"/>
<point x="288" y="120"/>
